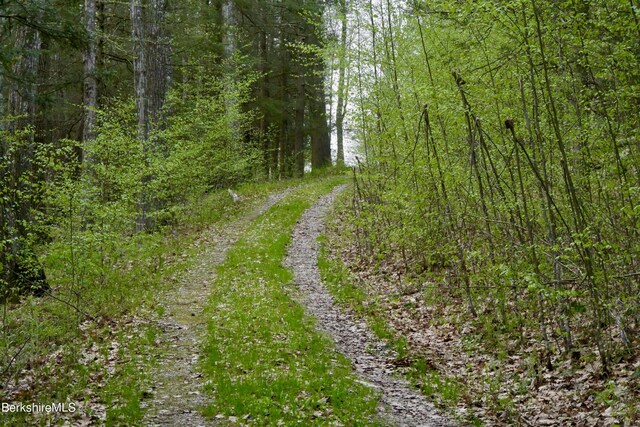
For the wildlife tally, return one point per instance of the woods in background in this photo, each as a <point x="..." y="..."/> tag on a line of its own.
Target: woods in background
<point x="496" y="191"/>
<point x="114" y="113"/>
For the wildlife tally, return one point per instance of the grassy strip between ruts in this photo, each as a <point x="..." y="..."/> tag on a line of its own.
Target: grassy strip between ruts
<point x="101" y="365"/>
<point x="265" y="363"/>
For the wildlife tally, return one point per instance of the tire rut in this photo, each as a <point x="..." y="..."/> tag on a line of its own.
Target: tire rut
<point x="399" y="404"/>
<point x="176" y="393"/>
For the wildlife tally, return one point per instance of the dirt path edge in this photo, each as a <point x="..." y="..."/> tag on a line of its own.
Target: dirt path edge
<point x="399" y="404"/>
<point x="176" y="394"/>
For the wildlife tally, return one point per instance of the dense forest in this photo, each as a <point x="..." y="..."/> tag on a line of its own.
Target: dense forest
<point x="501" y="167"/>
<point x="105" y="104"/>
<point x="496" y="182"/>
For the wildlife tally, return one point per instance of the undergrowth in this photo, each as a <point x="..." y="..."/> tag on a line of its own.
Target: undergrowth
<point x="87" y="341"/>
<point x="485" y="370"/>
<point x="337" y="277"/>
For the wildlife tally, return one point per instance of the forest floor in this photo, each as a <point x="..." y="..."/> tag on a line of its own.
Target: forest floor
<point x="274" y="319"/>
<point x="482" y="378"/>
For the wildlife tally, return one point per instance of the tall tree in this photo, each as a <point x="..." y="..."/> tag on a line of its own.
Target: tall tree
<point x="90" y="81"/>
<point x="342" y="86"/>
<point x="20" y="269"/>
<point x="158" y="60"/>
<point x="139" y="68"/>
<point x="299" y="120"/>
<point x="316" y="74"/>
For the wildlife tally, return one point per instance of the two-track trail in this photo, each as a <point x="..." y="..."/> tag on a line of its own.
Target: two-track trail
<point x="399" y="404"/>
<point x="176" y="393"/>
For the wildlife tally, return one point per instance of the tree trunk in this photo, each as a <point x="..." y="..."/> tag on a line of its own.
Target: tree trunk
<point x="21" y="271"/>
<point x="139" y="69"/>
<point x="229" y="19"/>
<point x="90" y="82"/>
<point x="270" y="162"/>
<point x="284" y="149"/>
<point x="142" y="104"/>
<point x="320" y="139"/>
<point x="158" y="76"/>
<point x="319" y="128"/>
<point x="342" y="95"/>
<point x="298" y="146"/>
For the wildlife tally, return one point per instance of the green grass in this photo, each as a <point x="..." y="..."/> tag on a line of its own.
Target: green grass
<point x="265" y="362"/>
<point x="116" y="277"/>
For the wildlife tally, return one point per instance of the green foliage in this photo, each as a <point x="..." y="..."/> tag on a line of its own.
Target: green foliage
<point x="114" y="279"/>
<point x="91" y="208"/>
<point x="83" y="225"/>
<point x="205" y="130"/>
<point x="22" y="216"/>
<point x="502" y="159"/>
<point x="499" y="169"/>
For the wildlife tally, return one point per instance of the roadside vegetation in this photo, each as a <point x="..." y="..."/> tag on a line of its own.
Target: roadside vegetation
<point x="496" y="203"/>
<point x="476" y="370"/>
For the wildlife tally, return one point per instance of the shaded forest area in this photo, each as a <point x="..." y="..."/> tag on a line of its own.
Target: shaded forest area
<point x="123" y="125"/>
<point x="120" y="111"/>
<point x="497" y="182"/>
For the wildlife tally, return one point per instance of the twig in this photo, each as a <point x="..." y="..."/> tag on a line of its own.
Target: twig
<point x="78" y="309"/>
<point x="13" y="359"/>
<point x="626" y="276"/>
